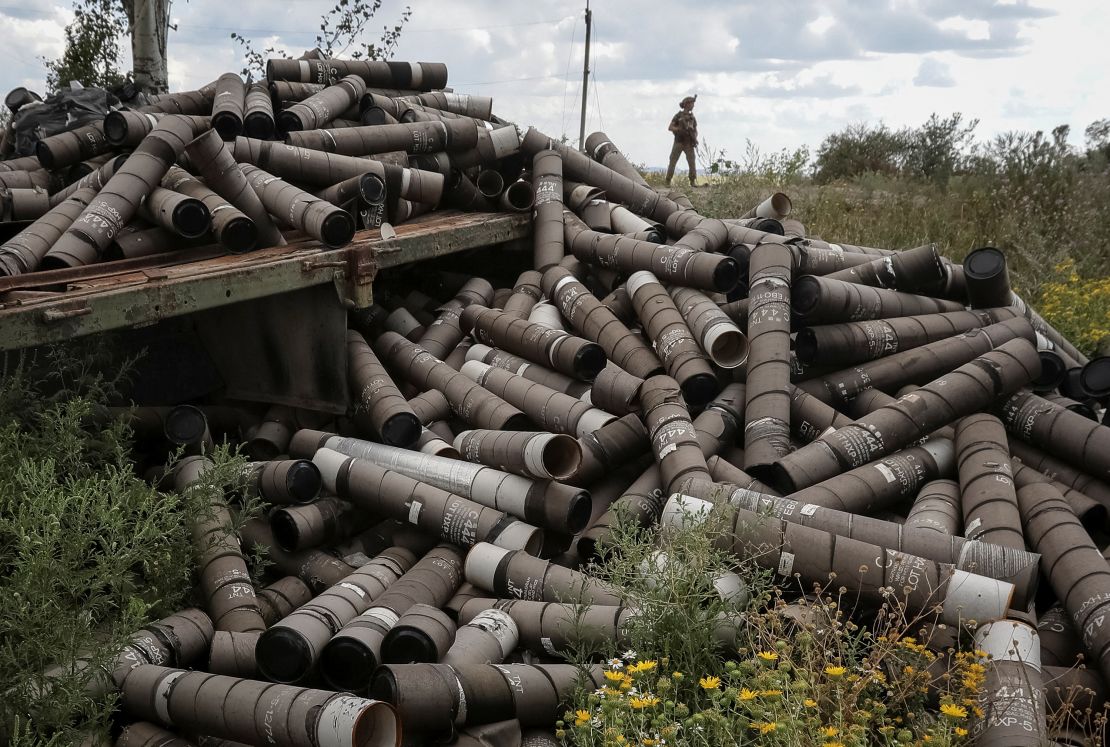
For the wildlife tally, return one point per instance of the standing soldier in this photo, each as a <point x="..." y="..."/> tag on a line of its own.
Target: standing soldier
<point x="685" y="129"/>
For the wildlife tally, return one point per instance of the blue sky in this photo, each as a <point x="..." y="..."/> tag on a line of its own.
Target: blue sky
<point x="780" y="74"/>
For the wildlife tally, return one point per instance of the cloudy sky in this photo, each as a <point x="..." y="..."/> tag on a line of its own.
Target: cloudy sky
<point x="781" y="74"/>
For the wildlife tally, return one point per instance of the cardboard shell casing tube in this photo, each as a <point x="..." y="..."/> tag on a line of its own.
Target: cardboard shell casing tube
<point x="318" y="218"/>
<point x="988" y="495"/>
<point x="422" y="634"/>
<point x="544" y="456"/>
<point x="672" y="434"/>
<point x="514" y="573"/>
<point x="855" y="342"/>
<point x="289" y="649"/>
<point x="609" y="447"/>
<point x="228" y="106"/>
<point x="477" y="405"/>
<point x="671" y="338"/>
<point x="552" y="504"/>
<point x="913" y="270"/>
<point x="225" y="582"/>
<point x="23" y="252"/>
<point x="767" y="411"/>
<point x="231" y="227"/>
<point x="568" y="354"/>
<point x="235" y="708"/>
<point x="916" y="366"/>
<point x="487" y="637"/>
<point x="325" y="521"/>
<point x="215" y="162"/>
<point x="1018" y="567"/>
<point x="283" y="483"/>
<point x="550" y="628"/>
<point x="1064" y="434"/>
<point x="867" y="569"/>
<point x="936" y="508"/>
<point x="349" y="658"/>
<point x="594" y="321"/>
<point x="534" y="372"/>
<point x="553" y="411"/>
<point x="317" y="569"/>
<point x="378" y="400"/>
<point x="280" y="598"/>
<point x="820" y="300"/>
<point x="721" y="340"/>
<point x="442" y="335"/>
<point x="1013" y="695"/>
<point x="969" y="388"/>
<point x="387" y="493"/>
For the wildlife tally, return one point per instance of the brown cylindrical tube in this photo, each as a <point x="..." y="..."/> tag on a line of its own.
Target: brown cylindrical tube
<point x="1072" y="564"/>
<point x="24" y="252"/>
<point x="917" y="269"/>
<point x="616" y="391"/>
<point x="811" y="418"/>
<point x="232" y="228"/>
<point x="550" y="504"/>
<point x="423" y="633"/>
<point x="884" y="482"/>
<point x="767" y="411"/>
<point x="430" y="406"/>
<point x="317" y="569"/>
<point x="602" y="150"/>
<point x="415" y="138"/>
<point x="241" y="709"/>
<point x="1017" y="567"/>
<point x="217" y="165"/>
<point x="940" y="402"/>
<point x="937" y="508"/>
<point x="114" y="206"/>
<point x="565" y="353"/>
<point x="544" y="456"/>
<point x="1012" y="699"/>
<point x="674" y="264"/>
<point x="988" y="281"/>
<point x="97" y="179"/>
<point x="233" y="654"/>
<point x="349" y="658"/>
<point x="1060" y="644"/>
<point x="319" y="109"/>
<point x="288" y="651"/>
<point x="476" y="405"/>
<point x="183" y="102"/>
<point x="325" y="521"/>
<point x="178" y="640"/>
<point x="867" y="569"/>
<point x="176" y="212"/>
<point x="228" y="106"/>
<point x="258" y="113"/>
<point x="418" y="76"/>
<point x="551" y="410"/>
<point x="278" y="600"/>
<point x="609" y="447"/>
<point x="318" y="218"/>
<point x="386" y="412"/>
<point x="989" y="498"/>
<point x="72" y="146"/>
<point x="442" y="335"/>
<point x="1064" y="434"/>
<point x="515" y="573"/>
<point x="916" y="366"/>
<point x="526" y="293"/>
<point x="547" y="237"/>
<point x="854" y="342"/>
<point x="283" y="483"/>
<point x="224" y="579"/>
<point x="820" y="300"/>
<point x="26" y="179"/>
<point x="271" y="439"/>
<point x="485" y="637"/>
<point x="671" y="338"/>
<point x="550" y="628"/>
<point x="23" y="204"/>
<point x="672" y="433"/>
<point x="721" y="340"/>
<point x="146" y="734"/>
<point x="1060" y="471"/>
<point x="595" y="322"/>
<point x="387" y="493"/>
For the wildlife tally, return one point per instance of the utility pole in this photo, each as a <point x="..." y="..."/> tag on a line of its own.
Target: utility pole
<point x="585" y="80"/>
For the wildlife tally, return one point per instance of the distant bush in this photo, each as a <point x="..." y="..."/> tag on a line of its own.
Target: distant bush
<point x="861" y="149"/>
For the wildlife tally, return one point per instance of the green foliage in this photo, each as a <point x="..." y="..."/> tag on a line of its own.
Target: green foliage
<point x="784" y="166"/>
<point x="92" y="47"/>
<point x="861" y="149"/>
<point x="938" y="148"/>
<point x="89" y="552"/>
<point x="704" y="671"/>
<point x="341" y="30"/>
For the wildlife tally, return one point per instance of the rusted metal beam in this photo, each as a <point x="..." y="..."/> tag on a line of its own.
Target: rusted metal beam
<point x="76" y="303"/>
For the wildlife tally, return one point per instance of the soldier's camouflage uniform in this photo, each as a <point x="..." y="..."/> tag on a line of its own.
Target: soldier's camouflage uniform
<point x="685" y="128"/>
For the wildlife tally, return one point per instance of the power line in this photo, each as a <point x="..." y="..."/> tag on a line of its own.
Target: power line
<point x="407" y="30"/>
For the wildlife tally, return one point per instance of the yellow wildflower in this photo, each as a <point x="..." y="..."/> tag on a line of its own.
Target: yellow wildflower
<point x="961" y="732"/>
<point x="677" y="675"/>
<point x="746" y="694"/>
<point x="610" y="692"/>
<point x="829" y="731"/>
<point x="613" y="676"/>
<point x="836" y="672"/>
<point x="645" y="702"/>
<point x="953" y="711"/>
<point x="834" y="744"/>
<point x="621" y="739"/>
<point x="764" y="727"/>
<point x="768" y="656"/>
<point x="809" y="703"/>
<point x="709" y="683"/>
<point x="581" y="717"/>
<point x="648" y="742"/>
<point x="770" y="693"/>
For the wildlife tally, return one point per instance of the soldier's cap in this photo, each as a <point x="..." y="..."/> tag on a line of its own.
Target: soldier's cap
<point x="688" y="100"/>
